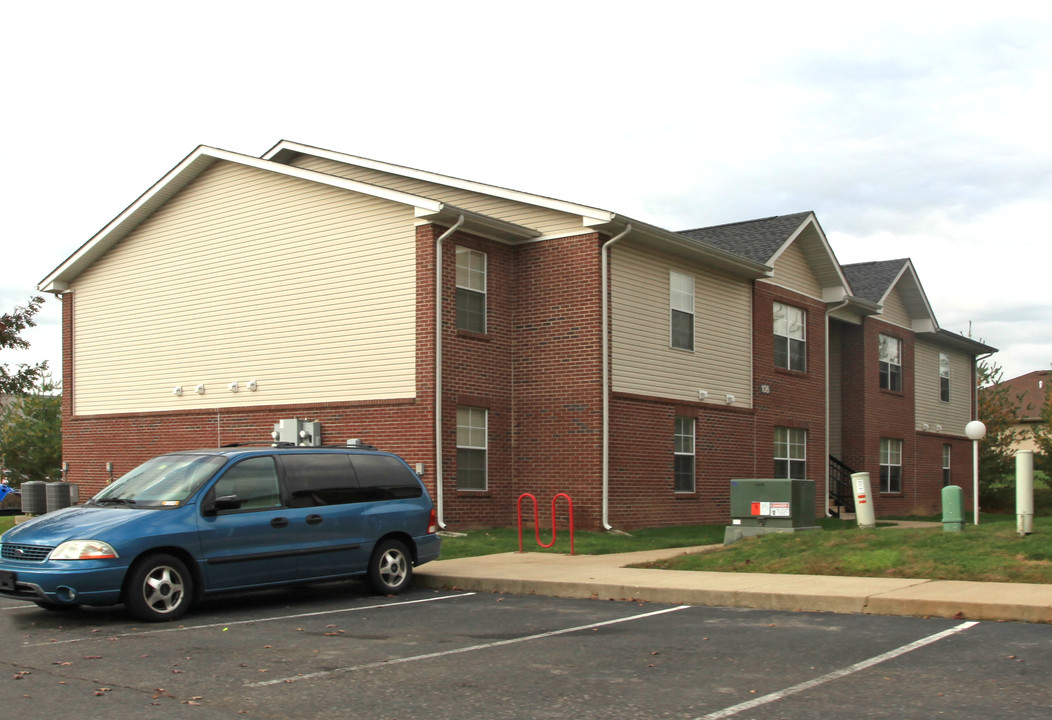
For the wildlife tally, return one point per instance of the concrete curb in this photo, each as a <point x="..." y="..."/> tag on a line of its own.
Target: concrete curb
<point x="606" y="577"/>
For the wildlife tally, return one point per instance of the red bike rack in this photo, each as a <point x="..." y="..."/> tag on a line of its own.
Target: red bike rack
<point x="536" y="520"/>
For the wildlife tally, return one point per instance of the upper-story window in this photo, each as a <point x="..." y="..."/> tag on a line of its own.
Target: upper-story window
<point x="471" y="290"/>
<point x="790" y="337"/>
<point x="681" y="310"/>
<point x="944" y="377"/>
<point x="890" y="363"/>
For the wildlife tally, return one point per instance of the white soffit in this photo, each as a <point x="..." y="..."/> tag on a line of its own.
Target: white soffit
<point x="286" y="148"/>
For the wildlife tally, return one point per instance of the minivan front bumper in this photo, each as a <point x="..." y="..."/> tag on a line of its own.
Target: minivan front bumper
<point x="62" y="586"/>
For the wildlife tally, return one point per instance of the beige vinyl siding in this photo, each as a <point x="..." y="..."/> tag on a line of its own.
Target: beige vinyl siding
<point x="792" y="271"/>
<point x="548" y="222"/>
<point x="247" y="275"/>
<point x="643" y="362"/>
<point x="894" y="310"/>
<point x="952" y="415"/>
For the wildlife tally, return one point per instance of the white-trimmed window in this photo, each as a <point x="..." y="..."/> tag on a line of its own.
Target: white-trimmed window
<point x="471" y="290"/>
<point x="790" y="337"/>
<point x="472" y="433"/>
<point x="681" y="310"/>
<point x="684" y="455"/>
<point x="947" y="452"/>
<point x="944" y="377"/>
<point x="890" y="363"/>
<point x="790" y="453"/>
<point x="890" y="465"/>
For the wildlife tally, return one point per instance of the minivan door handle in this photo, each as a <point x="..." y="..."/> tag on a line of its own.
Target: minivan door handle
<point x="279" y="522"/>
<point x="314" y="519"/>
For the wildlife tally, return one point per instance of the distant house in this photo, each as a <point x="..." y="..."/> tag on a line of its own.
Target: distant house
<point x="502" y="342"/>
<point x="1029" y="391"/>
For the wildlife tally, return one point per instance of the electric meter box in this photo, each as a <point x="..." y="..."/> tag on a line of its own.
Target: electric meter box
<point x="760" y="506"/>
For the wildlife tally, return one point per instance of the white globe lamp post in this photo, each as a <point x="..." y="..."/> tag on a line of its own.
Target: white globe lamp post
<point x="976" y="431"/>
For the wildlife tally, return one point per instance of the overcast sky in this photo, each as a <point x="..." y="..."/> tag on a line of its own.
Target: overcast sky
<point x="921" y="133"/>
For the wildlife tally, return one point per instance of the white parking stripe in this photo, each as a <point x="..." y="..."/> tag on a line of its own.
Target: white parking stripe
<point x="836" y="674"/>
<point x="188" y="628"/>
<point x="457" y="651"/>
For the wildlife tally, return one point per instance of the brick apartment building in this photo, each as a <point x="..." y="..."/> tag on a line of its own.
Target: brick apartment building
<point x="502" y="342"/>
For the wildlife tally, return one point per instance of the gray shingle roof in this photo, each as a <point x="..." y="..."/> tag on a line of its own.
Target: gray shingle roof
<point x="756" y="240"/>
<point x="871" y="280"/>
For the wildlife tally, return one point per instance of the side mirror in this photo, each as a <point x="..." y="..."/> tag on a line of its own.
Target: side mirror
<point x="221" y="503"/>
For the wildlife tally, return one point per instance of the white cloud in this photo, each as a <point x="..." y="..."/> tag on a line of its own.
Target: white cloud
<point x="913" y="130"/>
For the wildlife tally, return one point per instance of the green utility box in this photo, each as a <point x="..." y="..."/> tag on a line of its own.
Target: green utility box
<point x="952" y="508"/>
<point x="760" y="506"/>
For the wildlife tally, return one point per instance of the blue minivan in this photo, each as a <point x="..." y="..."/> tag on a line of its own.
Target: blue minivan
<point x="187" y="524"/>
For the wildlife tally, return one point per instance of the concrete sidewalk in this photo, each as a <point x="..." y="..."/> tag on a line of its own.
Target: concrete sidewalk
<point x="607" y="577"/>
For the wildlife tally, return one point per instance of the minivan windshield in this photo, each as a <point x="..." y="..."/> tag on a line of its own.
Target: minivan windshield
<point x="165" y="481"/>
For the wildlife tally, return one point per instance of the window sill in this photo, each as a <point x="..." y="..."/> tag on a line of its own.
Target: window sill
<point x="793" y="373"/>
<point x="472" y="335"/>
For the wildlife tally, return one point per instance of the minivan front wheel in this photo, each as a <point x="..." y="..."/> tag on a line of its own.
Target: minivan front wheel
<point x="390" y="568"/>
<point x="159" y="588"/>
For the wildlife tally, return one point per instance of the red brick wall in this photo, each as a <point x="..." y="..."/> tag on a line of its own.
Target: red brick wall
<point x="557" y="374"/>
<point x="870" y="414"/>
<point x="476" y="372"/>
<point x="795" y="399"/>
<point x="641" y="461"/>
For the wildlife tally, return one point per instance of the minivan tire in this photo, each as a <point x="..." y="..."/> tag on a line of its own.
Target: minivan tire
<point x="159" y="588"/>
<point x="390" y="568"/>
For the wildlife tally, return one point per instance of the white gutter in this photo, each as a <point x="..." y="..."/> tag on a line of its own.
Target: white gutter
<point x="439" y="504"/>
<point x="606" y="376"/>
<point x="829" y="312"/>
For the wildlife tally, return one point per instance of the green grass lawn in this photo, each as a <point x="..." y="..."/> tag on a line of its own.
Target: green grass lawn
<point x="989" y="552"/>
<point x="501" y="540"/>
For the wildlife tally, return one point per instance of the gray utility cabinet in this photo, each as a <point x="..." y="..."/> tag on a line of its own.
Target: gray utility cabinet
<point x="763" y="505"/>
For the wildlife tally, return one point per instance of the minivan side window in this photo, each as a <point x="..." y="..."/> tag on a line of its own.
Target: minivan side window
<point x="320" y="479"/>
<point x="383" y="477"/>
<point x="255" y="483"/>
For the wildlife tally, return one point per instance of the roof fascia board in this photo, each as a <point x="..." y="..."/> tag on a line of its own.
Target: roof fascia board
<point x="684" y="245"/>
<point x="182" y="175"/>
<point x="907" y="267"/>
<point x="956" y="340"/>
<point x="173" y="181"/>
<point x="284" y="149"/>
<point x="813" y="220"/>
<point x="480" y="224"/>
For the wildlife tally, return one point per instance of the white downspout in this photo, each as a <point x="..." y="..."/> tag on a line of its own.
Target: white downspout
<point x="829" y="312"/>
<point x="439" y="503"/>
<point x="606" y="376"/>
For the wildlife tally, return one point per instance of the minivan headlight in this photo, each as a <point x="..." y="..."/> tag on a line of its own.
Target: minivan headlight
<point x="84" y="550"/>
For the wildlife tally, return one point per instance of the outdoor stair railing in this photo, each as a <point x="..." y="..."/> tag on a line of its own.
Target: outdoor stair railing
<point x="841" y="491"/>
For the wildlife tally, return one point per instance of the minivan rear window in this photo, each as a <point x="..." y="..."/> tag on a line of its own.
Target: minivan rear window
<point x="383" y="477"/>
<point x="320" y="479"/>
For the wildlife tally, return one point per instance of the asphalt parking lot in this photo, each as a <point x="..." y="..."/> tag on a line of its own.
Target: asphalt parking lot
<point x="336" y="652"/>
